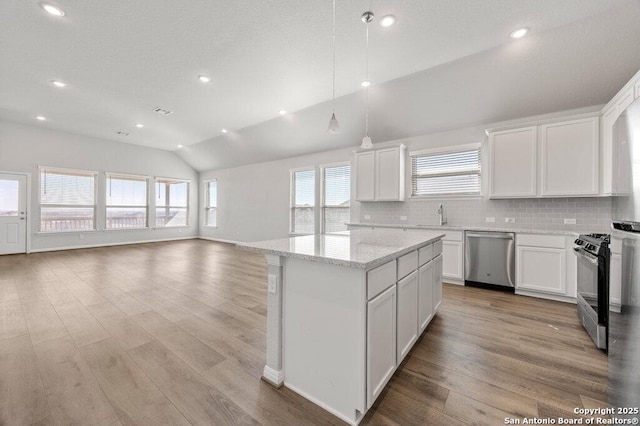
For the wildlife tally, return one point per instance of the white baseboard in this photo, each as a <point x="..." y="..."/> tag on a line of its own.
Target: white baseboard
<point x="125" y="243"/>
<point x="452" y="281"/>
<point x="541" y="295"/>
<point x="275" y="377"/>
<point x="219" y="240"/>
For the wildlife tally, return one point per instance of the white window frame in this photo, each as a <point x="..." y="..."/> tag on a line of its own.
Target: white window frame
<point x="107" y="175"/>
<point x="208" y="207"/>
<point x="323" y="206"/>
<point x="159" y="179"/>
<point x="94" y="206"/>
<point x="292" y="199"/>
<point x="447" y="150"/>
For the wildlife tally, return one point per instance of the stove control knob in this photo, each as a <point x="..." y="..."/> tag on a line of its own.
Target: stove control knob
<point x="579" y="242"/>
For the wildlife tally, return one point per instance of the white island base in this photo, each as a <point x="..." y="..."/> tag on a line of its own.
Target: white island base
<point x="345" y="312"/>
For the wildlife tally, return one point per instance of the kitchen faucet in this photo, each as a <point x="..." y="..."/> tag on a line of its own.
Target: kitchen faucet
<point x="443" y="220"/>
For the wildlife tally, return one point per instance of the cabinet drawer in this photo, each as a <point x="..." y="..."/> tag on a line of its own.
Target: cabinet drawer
<point x="437" y="248"/>
<point x="535" y="240"/>
<point x="407" y="264"/>
<point x="380" y="278"/>
<point x="453" y="236"/>
<point x="425" y="254"/>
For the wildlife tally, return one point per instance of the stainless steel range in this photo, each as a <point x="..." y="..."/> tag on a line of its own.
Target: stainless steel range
<point x="593" y="255"/>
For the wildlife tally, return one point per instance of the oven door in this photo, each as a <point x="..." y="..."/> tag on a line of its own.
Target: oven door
<point x="590" y="291"/>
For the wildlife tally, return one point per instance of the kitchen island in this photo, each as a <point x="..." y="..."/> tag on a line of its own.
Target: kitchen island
<point x="345" y="309"/>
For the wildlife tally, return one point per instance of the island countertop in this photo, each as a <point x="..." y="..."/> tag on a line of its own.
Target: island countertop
<point x="361" y="248"/>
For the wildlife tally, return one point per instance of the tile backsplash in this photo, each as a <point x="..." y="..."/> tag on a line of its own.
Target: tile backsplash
<point x="590" y="214"/>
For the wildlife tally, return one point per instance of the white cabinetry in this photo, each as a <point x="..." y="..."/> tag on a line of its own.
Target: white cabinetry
<point x="569" y="153"/>
<point x="610" y="114"/>
<point x="615" y="275"/>
<point x="407" y="314"/>
<point x="380" y="174"/>
<point x="453" y="257"/>
<point x="552" y="159"/>
<point x="513" y="163"/>
<point x="381" y="342"/>
<point x="543" y="266"/>
<point x="437" y="282"/>
<point x="425" y="294"/>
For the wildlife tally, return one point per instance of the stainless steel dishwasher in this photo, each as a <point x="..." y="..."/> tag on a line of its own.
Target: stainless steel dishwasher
<point x="490" y="259"/>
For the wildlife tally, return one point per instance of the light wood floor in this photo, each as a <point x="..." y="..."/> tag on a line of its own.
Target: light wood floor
<point x="174" y="333"/>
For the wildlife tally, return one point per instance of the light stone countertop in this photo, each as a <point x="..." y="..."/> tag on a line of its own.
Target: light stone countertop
<point x="462" y="228"/>
<point x="361" y="248"/>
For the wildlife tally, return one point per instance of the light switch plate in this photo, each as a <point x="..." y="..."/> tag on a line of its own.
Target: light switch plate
<point x="510" y="220"/>
<point x="569" y="221"/>
<point x="273" y="284"/>
<point x="490" y="219"/>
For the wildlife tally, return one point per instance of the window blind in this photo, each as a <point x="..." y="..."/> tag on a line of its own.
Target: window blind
<point x="303" y="195"/>
<point x="126" y="201"/>
<point x="446" y="173"/>
<point x="336" y="198"/>
<point x="67" y="200"/>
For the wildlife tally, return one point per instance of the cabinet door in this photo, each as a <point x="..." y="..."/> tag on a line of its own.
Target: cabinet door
<point x="569" y="156"/>
<point x="609" y="151"/>
<point x="452" y="260"/>
<point x="512" y="168"/>
<point x="425" y="295"/>
<point x="381" y="342"/>
<point x="365" y="176"/>
<point x="388" y="175"/>
<point x="437" y="283"/>
<point x="615" y="282"/>
<point x="541" y="269"/>
<point x="407" y="314"/>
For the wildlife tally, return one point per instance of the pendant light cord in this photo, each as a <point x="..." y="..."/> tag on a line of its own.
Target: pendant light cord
<point x="333" y="97"/>
<point x="366" y="114"/>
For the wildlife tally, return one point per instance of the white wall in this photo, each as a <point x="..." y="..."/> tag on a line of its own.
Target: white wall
<point x="253" y="201"/>
<point x="24" y="148"/>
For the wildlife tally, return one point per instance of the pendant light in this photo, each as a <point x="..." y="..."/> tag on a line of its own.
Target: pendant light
<point x="334" y="127"/>
<point x="366" y="141"/>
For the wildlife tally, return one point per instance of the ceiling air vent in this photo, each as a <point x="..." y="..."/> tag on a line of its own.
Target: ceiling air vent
<point x="162" y="111"/>
<point x="122" y="133"/>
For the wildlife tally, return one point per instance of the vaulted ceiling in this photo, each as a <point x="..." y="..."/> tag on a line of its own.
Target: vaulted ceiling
<point x="444" y="64"/>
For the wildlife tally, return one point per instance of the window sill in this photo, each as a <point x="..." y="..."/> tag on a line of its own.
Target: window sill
<point x="65" y="232"/>
<point x="294" y="234"/>
<point x="171" y="227"/>
<point x="126" y="229"/>
<point x="211" y="226"/>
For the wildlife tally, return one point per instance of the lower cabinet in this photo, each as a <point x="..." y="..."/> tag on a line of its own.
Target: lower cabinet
<point x="453" y="257"/>
<point x="615" y="275"/>
<point x="407" y="314"/>
<point x="437" y="282"/>
<point x="425" y="295"/>
<point x="381" y="342"/>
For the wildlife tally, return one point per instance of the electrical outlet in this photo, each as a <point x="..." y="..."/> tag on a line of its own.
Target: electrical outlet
<point x="569" y="221"/>
<point x="403" y="218"/>
<point x="490" y="219"/>
<point x="510" y="220"/>
<point x="367" y="216"/>
<point x="273" y="284"/>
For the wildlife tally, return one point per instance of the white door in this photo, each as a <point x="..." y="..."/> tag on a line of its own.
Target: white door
<point x="13" y="214"/>
<point x="425" y="295"/>
<point x="381" y="342"/>
<point x="407" y="315"/>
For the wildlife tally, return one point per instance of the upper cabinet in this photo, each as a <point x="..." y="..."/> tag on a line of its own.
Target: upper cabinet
<point x="513" y="162"/>
<point x="610" y="114"/>
<point x="380" y="174"/>
<point x="554" y="159"/>
<point x="569" y="154"/>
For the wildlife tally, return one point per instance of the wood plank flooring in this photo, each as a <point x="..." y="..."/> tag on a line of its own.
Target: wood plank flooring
<point x="174" y="333"/>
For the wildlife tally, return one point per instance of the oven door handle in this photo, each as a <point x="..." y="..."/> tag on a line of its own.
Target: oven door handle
<point x="587" y="256"/>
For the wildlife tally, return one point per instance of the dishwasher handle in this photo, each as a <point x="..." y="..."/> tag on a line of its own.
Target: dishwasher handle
<point x="496" y="235"/>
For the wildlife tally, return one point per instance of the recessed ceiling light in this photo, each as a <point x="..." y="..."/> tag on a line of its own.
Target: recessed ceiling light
<point x="40" y="117"/>
<point x="139" y="125"/>
<point x="365" y="83"/>
<point x="519" y="33"/>
<point x="282" y="112"/>
<point x="387" y="21"/>
<point x="179" y="146"/>
<point x="204" y="78"/>
<point x="58" y="83"/>
<point x="224" y="130"/>
<point x="51" y="9"/>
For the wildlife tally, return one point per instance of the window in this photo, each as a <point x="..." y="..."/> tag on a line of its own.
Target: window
<point x="127" y="203"/>
<point x="336" y="197"/>
<point x="303" y="195"/>
<point x="172" y="202"/>
<point x="67" y="200"/>
<point x="211" y="203"/>
<point x="452" y="172"/>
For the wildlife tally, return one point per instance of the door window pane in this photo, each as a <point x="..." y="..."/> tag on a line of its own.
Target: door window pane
<point x="9" y="197"/>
